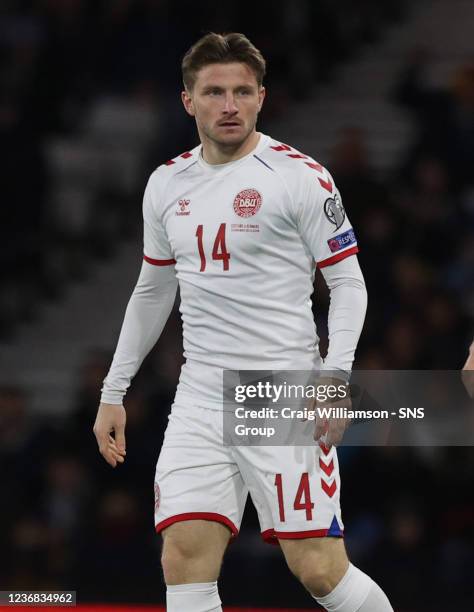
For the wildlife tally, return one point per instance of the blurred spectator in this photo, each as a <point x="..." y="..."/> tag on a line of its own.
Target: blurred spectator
<point x="119" y="537"/>
<point x="445" y="116"/>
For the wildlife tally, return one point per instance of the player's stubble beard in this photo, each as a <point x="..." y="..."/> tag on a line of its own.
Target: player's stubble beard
<point x="226" y="146"/>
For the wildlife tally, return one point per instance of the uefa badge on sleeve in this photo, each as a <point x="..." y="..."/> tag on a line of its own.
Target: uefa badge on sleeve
<point x="334" y="211"/>
<point x="341" y="241"/>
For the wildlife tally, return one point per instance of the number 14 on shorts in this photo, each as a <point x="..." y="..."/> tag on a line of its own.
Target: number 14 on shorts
<point x="302" y="500"/>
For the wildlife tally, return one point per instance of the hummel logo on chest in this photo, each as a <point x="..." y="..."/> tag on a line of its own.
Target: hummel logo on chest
<point x="183" y="208"/>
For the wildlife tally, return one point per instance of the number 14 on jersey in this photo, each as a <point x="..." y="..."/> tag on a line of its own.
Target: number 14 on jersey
<point x="219" y="250"/>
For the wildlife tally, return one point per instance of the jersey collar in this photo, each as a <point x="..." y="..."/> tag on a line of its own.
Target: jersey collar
<point x="262" y="143"/>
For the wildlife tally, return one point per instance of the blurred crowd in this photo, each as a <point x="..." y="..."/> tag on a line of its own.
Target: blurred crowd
<point x="88" y="108"/>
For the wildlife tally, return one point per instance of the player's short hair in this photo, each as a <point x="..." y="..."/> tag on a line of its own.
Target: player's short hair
<point x="221" y="49"/>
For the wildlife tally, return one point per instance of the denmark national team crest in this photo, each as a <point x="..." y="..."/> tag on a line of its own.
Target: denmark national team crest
<point x="157" y="496"/>
<point x="334" y="211"/>
<point x="247" y="203"/>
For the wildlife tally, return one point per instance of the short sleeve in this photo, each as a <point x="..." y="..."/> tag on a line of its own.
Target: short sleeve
<point x="322" y="220"/>
<point x="156" y="247"/>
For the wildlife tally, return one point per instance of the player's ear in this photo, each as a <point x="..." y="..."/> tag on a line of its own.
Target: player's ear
<point x="187" y="102"/>
<point x="261" y="97"/>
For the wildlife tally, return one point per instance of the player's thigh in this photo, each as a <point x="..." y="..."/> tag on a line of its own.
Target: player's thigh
<point x="196" y="539"/>
<point x="311" y="558"/>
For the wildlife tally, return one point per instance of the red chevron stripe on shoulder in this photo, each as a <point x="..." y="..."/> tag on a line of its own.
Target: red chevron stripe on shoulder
<point x="324" y="181"/>
<point x="281" y="147"/>
<point x="185" y="155"/>
<point x="315" y="166"/>
<point x="327" y="185"/>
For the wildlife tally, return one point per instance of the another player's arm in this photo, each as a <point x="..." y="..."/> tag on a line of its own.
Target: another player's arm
<point x="468" y="371"/>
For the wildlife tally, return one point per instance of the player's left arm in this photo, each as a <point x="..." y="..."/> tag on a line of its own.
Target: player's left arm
<point x="348" y="304"/>
<point x="347" y="308"/>
<point x="328" y="234"/>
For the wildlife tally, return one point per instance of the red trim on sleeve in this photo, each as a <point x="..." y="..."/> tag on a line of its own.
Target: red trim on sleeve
<point x="338" y="257"/>
<point x="198" y="516"/>
<point x="159" y="262"/>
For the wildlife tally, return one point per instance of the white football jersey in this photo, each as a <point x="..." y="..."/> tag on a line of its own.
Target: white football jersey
<point x="245" y="238"/>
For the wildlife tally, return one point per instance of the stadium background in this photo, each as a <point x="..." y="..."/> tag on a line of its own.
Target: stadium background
<point x="383" y="93"/>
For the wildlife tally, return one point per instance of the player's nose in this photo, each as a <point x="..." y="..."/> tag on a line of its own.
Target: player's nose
<point x="230" y="106"/>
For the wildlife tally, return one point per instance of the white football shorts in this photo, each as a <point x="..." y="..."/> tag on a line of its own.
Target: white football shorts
<point x="295" y="489"/>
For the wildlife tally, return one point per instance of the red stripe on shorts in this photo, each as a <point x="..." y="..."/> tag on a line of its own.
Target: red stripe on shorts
<point x="198" y="516"/>
<point x="270" y="536"/>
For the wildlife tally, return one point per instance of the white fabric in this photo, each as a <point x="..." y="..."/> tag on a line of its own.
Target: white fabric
<point x="196" y="597"/>
<point x="197" y="473"/>
<point x="356" y="592"/>
<point x="153" y="298"/>
<point x="376" y="601"/>
<point x="251" y="310"/>
<point x="346" y="312"/>
<point x="147" y="312"/>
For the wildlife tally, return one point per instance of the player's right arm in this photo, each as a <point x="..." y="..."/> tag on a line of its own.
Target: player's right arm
<point x="147" y="312"/>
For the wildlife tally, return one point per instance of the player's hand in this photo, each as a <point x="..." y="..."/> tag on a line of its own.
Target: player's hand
<point x="330" y="431"/>
<point x="110" y="420"/>
<point x="467" y="373"/>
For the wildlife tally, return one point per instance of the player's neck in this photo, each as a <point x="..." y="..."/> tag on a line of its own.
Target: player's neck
<point x="214" y="153"/>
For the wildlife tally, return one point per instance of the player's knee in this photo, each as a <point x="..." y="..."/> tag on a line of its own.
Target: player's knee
<point x="182" y="564"/>
<point x="174" y="562"/>
<point x="313" y="570"/>
<point x="319" y="570"/>
<point x="318" y="576"/>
